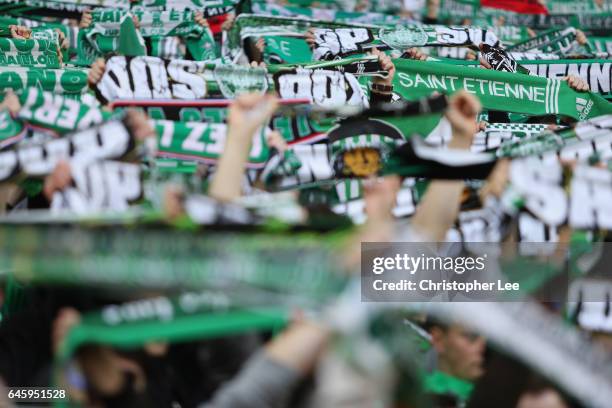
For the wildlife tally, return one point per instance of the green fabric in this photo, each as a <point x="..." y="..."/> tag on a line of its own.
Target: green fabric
<point x="130" y="41"/>
<point x="15" y="297"/>
<point x="501" y="91"/>
<point x="442" y="383"/>
<point x="11" y="130"/>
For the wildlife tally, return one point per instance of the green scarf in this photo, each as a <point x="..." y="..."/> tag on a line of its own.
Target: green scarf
<point x="159" y="26"/>
<point x="71" y="33"/>
<point x="595" y="72"/>
<point x="502" y="91"/>
<point x="69" y="81"/>
<point x="190" y="318"/>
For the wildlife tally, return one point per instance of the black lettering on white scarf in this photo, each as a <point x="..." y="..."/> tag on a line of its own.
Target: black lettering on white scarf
<point x="100" y="186"/>
<point x="151" y="78"/>
<point x="327" y="89"/>
<point x="330" y="43"/>
<point x="108" y="141"/>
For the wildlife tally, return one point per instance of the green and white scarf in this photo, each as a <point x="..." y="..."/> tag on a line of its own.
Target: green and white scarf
<point x="57" y="112"/>
<point x="338" y="42"/>
<point x="587" y="140"/>
<point x="29" y="53"/>
<point x="266" y="254"/>
<point x="151" y="23"/>
<point x="489" y="139"/>
<point x="496" y="90"/>
<point x="595" y="72"/>
<point x="600" y="44"/>
<point x="159" y="26"/>
<point x="203" y="142"/>
<point x="70" y="81"/>
<point x="560" y="42"/>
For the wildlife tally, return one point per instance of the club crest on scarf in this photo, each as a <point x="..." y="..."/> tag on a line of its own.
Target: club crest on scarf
<point x="498" y="59"/>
